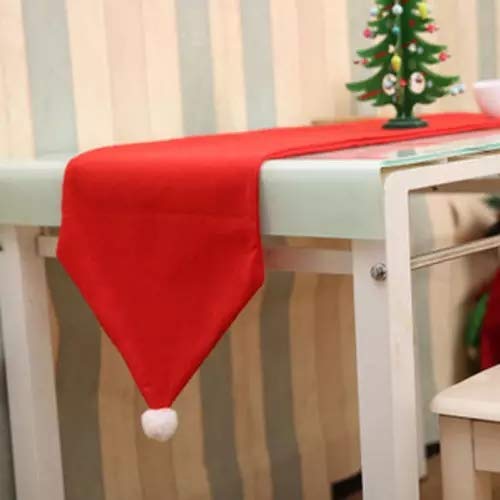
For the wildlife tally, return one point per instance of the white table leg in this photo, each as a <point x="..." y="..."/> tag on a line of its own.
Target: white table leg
<point x="29" y="366"/>
<point x="374" y="377"/>
<point x="386" y="360"/>
<point x="422" y="456"/>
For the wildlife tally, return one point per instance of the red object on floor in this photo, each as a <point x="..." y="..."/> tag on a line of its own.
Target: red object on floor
<point x="490" y="329"/>
<point x="163" y="238"/>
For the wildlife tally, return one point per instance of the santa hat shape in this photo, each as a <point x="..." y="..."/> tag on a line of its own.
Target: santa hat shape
<point x="163" y="240"/>
<point x="165" y="264"/>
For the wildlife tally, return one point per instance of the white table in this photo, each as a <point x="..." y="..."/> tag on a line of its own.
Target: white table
<point x="359" y="194"/>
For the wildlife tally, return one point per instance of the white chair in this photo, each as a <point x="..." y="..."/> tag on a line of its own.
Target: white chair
<point x="469" y="417"/>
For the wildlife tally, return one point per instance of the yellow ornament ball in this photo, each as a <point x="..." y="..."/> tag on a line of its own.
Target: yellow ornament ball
<point x="423" y="9"/>
<point x="396" y="62"/>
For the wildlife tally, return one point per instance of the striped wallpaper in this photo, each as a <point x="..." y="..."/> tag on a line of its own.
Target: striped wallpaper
<point x="272" y="415"/>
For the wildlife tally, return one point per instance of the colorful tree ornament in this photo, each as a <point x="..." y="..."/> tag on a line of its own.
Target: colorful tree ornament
<point x="397" y="10"/>
<point x="403" y="57"/>
<point x="396" y="63"/>
<point x="423" y="10"/>
<point x="444" y="56"/>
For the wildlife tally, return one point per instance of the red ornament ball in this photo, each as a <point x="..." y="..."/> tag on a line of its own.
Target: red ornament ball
<point x="367" y="33"/>
<point x="432" y="28"/>
<point x="403" y="83"/>
<point x="443" y="56"/>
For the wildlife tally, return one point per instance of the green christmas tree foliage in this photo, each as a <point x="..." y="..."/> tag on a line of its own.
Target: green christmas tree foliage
<point x="403" y="58"/>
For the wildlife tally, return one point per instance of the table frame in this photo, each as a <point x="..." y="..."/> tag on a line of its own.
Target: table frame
<point x="387" y="382"/>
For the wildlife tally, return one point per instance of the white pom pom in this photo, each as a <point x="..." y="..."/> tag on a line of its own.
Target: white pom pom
<point x="159" y="424"/>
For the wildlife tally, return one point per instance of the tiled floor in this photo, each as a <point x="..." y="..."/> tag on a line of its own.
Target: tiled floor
<point x="430" y="488"/>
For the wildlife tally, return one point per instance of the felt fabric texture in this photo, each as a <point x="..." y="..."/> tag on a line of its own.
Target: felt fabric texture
<point x="163" y="238"/>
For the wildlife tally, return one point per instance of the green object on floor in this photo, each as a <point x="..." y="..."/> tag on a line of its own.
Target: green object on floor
<point x="493" y="202"/>
<point x="474" y="324"/>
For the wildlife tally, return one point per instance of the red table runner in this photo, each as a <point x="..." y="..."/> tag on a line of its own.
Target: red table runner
<point x="163" y="239"/>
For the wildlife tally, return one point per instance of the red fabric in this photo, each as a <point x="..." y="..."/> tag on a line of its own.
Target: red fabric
<point x="163" y="238"/>
<point x="490" y="329"/>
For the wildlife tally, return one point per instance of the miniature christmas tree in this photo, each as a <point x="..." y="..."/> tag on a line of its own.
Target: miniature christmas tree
<point x="404" y="79"/>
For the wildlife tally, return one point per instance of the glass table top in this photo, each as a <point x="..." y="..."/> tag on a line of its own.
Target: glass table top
<point x="419" y="150"/>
